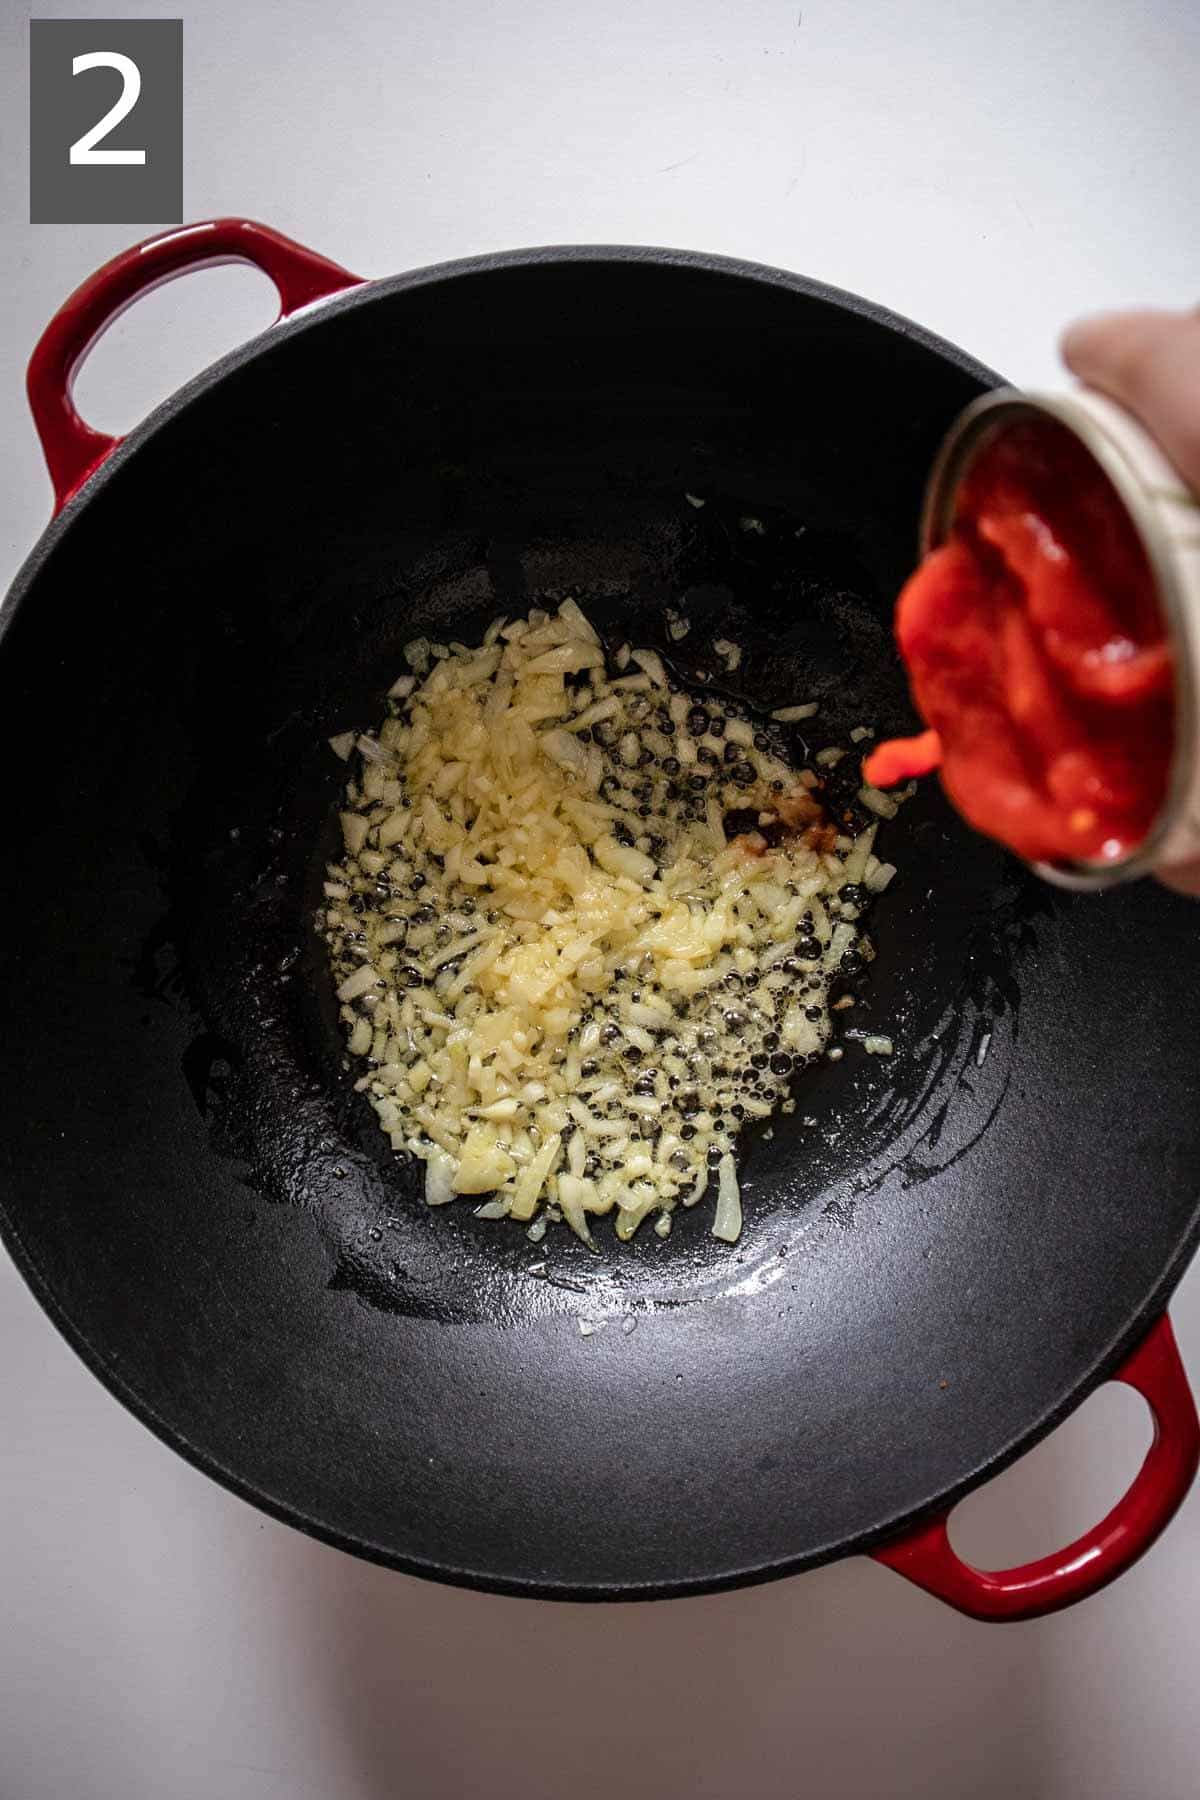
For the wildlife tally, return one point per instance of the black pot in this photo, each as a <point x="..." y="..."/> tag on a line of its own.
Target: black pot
<point x="972" y="1235"/>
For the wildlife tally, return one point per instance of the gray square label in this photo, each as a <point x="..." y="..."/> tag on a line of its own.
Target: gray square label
<point x="105" y="121"/>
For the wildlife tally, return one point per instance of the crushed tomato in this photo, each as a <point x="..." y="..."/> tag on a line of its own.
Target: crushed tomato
<point x="1037" y="654"/>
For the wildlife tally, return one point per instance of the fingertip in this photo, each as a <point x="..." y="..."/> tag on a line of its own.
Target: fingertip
<point x="1076" y="343"/>
<point x="1101" y="347"/>
<point x="1149" y="362"/>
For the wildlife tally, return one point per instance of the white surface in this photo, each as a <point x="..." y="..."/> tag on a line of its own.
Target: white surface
<point x="989" y="168"/>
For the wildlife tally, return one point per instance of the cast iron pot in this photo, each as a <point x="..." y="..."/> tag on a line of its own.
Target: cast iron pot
<point x="944" y="1251"/>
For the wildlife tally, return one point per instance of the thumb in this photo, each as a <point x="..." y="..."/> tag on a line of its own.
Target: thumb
<point x="1150" y="363"/>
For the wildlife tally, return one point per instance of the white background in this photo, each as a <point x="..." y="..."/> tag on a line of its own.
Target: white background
<point x="990" y="168"/>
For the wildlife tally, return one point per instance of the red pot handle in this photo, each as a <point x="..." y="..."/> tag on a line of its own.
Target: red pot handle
<point x="924" y="1555"/>
<point x="73" y="450"/>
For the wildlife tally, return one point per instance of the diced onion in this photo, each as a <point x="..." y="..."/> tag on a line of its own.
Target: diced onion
<point x="439" y="1177"/>
<point x="727" y="1220"/>
<point x="556" y="975"/>
<point x="354" y="831"/>
<point x="855" y="864"/>
<point x="652" y="663"/>
<point x="876" y="801"/>
<point x="358" y="983"/>
<point x="577" y="619"/>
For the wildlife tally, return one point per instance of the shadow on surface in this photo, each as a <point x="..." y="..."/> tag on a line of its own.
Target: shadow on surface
<point x="842" y="1682"/>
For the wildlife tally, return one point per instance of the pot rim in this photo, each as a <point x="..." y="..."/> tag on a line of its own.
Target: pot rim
<point x="382" y="288"/>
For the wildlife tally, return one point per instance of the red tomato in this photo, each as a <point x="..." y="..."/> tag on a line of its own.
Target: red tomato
<point x="1037" y="655"/>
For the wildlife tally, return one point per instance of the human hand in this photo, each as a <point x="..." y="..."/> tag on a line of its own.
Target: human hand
<point x="1149" y="362"/>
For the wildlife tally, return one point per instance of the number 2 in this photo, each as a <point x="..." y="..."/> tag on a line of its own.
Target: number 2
<point x="83" y="150"/>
